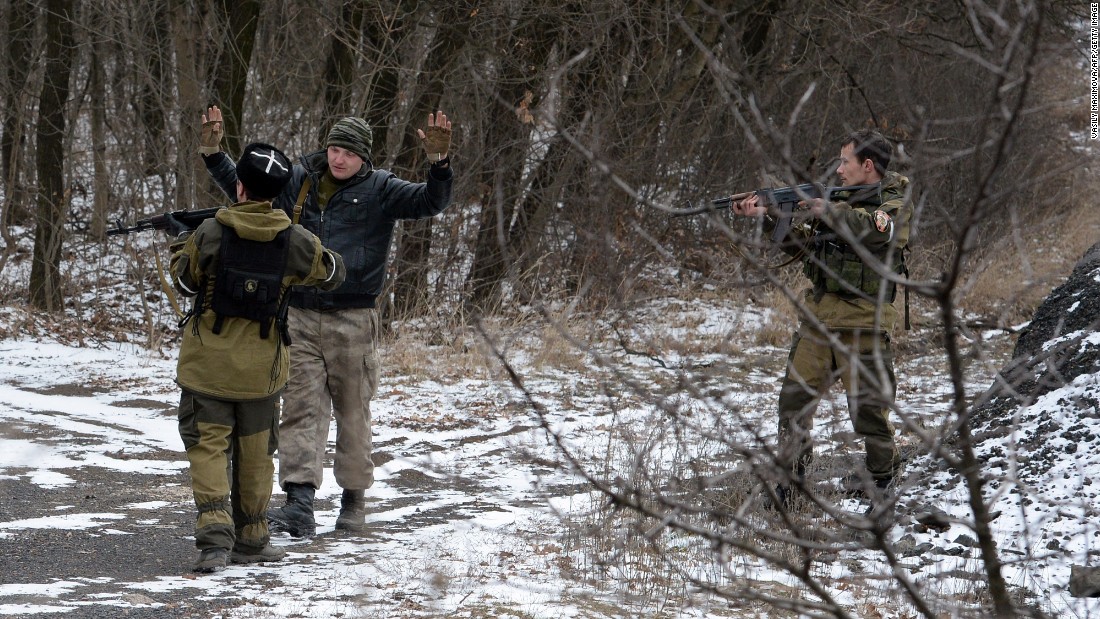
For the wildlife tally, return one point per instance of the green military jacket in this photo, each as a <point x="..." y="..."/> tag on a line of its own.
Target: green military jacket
<point x="237" y="364"/>
<point x="845" y="292"/>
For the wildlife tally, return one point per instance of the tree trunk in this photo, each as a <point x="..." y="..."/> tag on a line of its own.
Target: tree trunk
<point x="665" y="73"/>
<point x="194" y="189"/>
<point x="340" y="67"/>
<point x="45" y="284"/>
<point x="22" y="16"/>
<point x="239" y="17"/>
<point x="549" y="178"/>
<point x="385" y="34"/>
<point x="411" y="279"/>
<point x="501" y="174"/>
<point x="154" y="88"/>
<point x="101" y="180"/>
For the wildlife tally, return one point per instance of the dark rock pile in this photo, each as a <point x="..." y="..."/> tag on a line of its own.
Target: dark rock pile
<point x="1060" y="346"/>
<point x="1037" y="431"/>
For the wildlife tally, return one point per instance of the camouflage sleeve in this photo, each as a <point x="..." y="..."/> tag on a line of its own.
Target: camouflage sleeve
<point x="310" y="264"/>
<point x="184" y="256"/>
<point x="886" y="225"/>
<point x="193" y="256"/>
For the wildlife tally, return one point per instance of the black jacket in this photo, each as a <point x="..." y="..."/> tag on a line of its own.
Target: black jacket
<point x="357" y="222"/>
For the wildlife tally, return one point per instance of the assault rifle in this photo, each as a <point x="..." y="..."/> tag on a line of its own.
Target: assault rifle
<point x="191" y="219"/>
<point x="784" y="200"/>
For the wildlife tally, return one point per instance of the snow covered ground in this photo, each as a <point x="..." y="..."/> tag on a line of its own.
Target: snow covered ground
<point x="470" y="509"/>
<point x="434" y="545"/>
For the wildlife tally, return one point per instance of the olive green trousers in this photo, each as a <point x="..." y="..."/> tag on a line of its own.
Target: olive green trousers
<point x="863" y="361"/>
<point x="230" y="447"/>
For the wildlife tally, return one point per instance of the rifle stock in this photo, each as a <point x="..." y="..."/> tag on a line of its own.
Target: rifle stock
<point x="191" y="219"/>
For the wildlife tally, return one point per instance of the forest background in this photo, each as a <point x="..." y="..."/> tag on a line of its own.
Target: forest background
<point x="579" y="127"/>
<point x="577" y="124"/>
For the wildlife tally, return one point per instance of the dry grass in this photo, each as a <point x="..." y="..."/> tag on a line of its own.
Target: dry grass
<point x="781" y="322"/>
<point x="449" y="350"/>
<point x="558" y="347"/>
<point x="416" y="352"/>
<point x="1014" y="276"/>
<point x="1055" y="219"/>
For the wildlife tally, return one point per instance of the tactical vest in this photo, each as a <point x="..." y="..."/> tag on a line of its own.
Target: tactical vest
<point x="249" y="282"/>
<point x="837" y="269"/>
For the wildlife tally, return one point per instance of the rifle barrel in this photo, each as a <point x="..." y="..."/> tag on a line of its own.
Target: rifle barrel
<point x="807" y="189"/>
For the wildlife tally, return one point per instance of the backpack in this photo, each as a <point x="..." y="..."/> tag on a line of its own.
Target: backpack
<point x="249" y="282"/>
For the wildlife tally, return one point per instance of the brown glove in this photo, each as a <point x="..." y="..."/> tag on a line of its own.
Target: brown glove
<point x="211" y="137"/>
<point x="437" y="142"/>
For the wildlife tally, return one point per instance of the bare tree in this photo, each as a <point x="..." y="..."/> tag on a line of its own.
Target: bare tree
<point x="582" y="125"/>
<point x="515" y="91"/>
<point x="341" y="65"/>
<point x="699" y="467"/>
<point x="50" y="157"/>
<point x="239" y="18"/>
<point x="193" y="186"/>
<point x="154" y="66"/>
<point x="21" y="26"/>
<point x="101" y="184"/>
<point x="452" y="25"/>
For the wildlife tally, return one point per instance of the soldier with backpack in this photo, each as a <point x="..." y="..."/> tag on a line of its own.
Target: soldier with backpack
<point x="234" y="361"/>
<point x="354" y="207"/>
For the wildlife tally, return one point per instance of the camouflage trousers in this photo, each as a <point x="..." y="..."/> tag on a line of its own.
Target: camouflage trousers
<point x="229" y="447"/>
<point x="334" y="372"/>
<point x="864" y="363"/>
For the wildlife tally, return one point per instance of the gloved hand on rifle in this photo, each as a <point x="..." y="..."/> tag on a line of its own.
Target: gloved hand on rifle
<point x="211" y="137"/>
<point x="437" y="138"/>
<point x="174" y="227"/>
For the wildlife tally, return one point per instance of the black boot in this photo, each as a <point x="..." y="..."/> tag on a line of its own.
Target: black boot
<point x="296" y="517"/>
<point x="882" y="500"/>
<point x="782" y="500"/>
<point x="353" y="511"/>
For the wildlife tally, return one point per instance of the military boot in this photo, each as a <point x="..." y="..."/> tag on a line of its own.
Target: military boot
<point x="296" y="517"/>
<point x="882" y="501"/>
<point x="251" y="554"/>
<point x="353" y="511"/>
<point x="857" y="486"/>
<point x="211" y="560"/>
<point x="782" y="500"/>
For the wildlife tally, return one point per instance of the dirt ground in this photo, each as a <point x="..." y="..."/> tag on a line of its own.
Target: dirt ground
<point x="105" y="561"/>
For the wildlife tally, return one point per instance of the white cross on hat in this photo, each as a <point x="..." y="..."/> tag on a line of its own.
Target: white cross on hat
<point x="270" y="156"/>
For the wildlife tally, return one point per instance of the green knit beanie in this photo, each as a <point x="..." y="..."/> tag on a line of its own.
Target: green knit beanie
<point x="353" y="134"/>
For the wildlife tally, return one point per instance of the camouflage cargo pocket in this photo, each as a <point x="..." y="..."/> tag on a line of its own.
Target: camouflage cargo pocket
<point x="851" y="273"/>
<point x="872" y="281"/>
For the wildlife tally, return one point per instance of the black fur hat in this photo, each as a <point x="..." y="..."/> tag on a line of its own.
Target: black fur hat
<point x="263" y="170"/>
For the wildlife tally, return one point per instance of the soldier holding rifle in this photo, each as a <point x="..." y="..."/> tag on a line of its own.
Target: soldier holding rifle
<point x="852" y="254"/>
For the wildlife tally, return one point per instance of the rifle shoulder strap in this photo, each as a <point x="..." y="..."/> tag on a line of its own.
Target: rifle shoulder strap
<point x="905" y="271"/>
<point x="301" y="200"/>
<point x="908" y="323"/>
<point x="166" y="286"/>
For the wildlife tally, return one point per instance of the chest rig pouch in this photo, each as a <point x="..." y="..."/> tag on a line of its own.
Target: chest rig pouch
<point x="842" y="272"/>
<point x="249" y="283"/>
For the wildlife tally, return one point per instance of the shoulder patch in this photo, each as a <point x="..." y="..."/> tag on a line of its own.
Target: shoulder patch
<point x="882" y="221"/>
